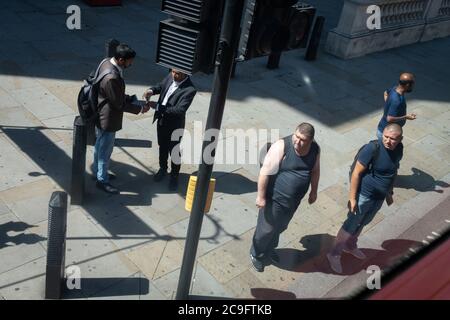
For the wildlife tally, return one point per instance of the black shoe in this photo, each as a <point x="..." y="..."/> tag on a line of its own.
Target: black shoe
<point x="107" y="187"/>
<point x="110" y="176"/>
<point x="160" y="175"/>
<point x="258" y="264"/>
<point x="173" y="183"/>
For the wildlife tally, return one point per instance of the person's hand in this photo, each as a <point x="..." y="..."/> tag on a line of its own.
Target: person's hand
<point x="145" y="108"/>
<point x="260" y="202"/>
<point x="312" y="197"/>
<point x="352" y="205"/>
<point x="151" y="104"/>
<point x="147" y="94"/>
<point x="389" y="199"/>
<point x="411" y="116"/>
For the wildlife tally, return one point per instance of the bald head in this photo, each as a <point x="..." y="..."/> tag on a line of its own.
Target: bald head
<point x="406" y="81"/>
<point x="392" y="136"/>
<point x="393" y="127"/>
<point x="406" y="76"/>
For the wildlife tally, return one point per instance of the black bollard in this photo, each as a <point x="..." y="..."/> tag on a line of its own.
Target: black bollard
<point x="90" y="134"/>
<point x="56" y="245"/>
<point x="274" y="60"/>
<point x="110" y="47"/>
<point x="78" y="160"/>
<point x="311" y="51"/>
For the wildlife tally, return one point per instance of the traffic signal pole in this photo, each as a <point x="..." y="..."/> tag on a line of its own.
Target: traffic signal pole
<point x="228" y="43"/>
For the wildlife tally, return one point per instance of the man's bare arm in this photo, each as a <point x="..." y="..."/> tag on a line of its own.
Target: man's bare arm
<point x="270" y="167"/>
<point x="315" y="176"/>
<point x="354" y="184"/>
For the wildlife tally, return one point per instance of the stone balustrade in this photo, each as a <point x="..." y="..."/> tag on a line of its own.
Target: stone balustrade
<point x="403" y="22"/>
<point x="444" y="10"/>
<point x="402" y="12"/>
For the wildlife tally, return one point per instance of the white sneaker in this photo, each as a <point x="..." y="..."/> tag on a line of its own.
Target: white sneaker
<point x="357" y="253"/>
<point x="335" y="263"/>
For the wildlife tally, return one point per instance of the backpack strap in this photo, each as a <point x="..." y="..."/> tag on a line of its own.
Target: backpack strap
<point x="375" y="152"/>
<point x="102" y="75"/>
<point x="98" y="68"/>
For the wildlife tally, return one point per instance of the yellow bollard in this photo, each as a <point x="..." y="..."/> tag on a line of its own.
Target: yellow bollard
<point x="191" y="190"/>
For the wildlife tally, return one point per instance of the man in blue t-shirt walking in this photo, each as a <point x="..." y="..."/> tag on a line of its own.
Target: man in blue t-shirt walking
<point x="372" y="182"/>
<point x="395" y="103"/>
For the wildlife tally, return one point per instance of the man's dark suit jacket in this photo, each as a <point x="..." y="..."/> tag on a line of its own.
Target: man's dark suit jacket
<point x="174" y="112"/>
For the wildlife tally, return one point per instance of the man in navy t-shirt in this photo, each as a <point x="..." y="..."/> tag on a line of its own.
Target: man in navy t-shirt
<point x="372" y="182"/>
<point x="395" y="103"/>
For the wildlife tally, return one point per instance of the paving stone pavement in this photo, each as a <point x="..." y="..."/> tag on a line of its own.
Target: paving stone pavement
<point x="130" y="246"/>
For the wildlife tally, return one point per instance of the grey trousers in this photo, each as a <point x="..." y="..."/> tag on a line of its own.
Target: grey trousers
<point x="273" y="219"/>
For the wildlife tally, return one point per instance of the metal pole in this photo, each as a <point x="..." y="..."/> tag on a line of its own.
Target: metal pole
<point x="228" y="43"/>
<point x="311" y="51"/>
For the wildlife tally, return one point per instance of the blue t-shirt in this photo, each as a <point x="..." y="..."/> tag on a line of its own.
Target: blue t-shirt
<point x="395" y="106"/>
<point x="377" y="183"/>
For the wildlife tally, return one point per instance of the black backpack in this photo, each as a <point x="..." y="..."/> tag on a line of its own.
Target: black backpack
<point x="375" y="151"/>
<point x="88" y="106"/>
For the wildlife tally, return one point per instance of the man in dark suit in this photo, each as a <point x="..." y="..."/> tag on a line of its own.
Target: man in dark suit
<point x="176" y="92"/>
<point x="112" y="103"/>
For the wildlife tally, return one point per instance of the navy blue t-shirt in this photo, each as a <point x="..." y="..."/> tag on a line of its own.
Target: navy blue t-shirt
<point x="377" y="183"/>
<point x="395" y="106"/>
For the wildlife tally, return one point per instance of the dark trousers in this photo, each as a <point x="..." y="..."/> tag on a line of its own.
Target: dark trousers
<point x="273" y="219"/>
<point x="167" y="146"/>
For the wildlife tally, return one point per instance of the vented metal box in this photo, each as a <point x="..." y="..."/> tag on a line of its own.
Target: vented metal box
<point x="177" y="47"/>
<point x="188" y="40"/>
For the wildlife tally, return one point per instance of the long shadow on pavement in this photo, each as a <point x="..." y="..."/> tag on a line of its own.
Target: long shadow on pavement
<point x="138" y="188"/>
<point x="313" y="258"/>
<point x="56" y="164"/>
<point x="419" y="181"/>
<point x="22" y="238"/>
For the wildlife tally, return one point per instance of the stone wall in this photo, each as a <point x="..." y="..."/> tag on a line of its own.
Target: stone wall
<point x="403" y="22"/>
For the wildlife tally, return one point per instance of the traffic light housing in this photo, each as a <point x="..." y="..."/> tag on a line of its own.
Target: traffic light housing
<point x="187" y="41"/>
<point x="273" y="26"/>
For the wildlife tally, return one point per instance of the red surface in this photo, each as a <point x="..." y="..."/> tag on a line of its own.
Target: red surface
<point x="427" y="279"/>
<point x="104" y="2"/>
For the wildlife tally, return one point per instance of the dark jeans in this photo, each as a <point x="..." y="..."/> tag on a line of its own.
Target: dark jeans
<point x="273" y="219"/>
<point x="365" y="212"/>
<point x="167" y="146"/>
